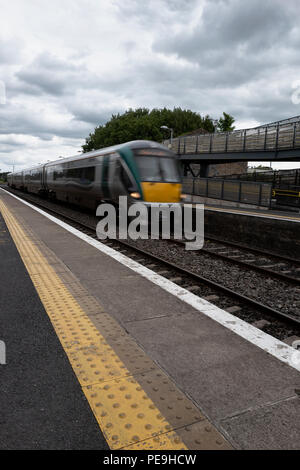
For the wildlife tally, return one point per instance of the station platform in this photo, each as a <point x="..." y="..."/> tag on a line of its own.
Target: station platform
<point x="269" y="214"/>
<point x="103" y="353"/>
<point x="219" y="205"/>
<point x="273" y="231"/>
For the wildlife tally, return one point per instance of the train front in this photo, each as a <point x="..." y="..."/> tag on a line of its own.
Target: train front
<point x="159" y="174"/>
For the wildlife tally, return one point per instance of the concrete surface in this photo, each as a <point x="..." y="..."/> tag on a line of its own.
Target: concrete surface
<point x="232" y="381"/>
<point x="42" y="405"/>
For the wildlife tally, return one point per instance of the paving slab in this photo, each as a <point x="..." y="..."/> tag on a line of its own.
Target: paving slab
<point x="222" y="372"/>
<point x="133" y="300"/>
<point x="275" y="427"/>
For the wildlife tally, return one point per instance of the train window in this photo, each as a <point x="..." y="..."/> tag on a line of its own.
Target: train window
<point x="155" y="168"/>
<point x="149" y="168"/>
<point x="85" y="175"/>
<point x="154" y="151"/>
<point x="82" y="175"/>
<point x="35" y="175"/>
<point x="170" y="170"/>
<point x="89" y="174"/>
<point x="73" y="173"/>
<point x="57" y="172"/>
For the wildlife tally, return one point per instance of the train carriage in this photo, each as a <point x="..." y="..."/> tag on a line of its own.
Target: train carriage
<point x="140" y="170"/>
<point x="33" y="179"/>
<point x="16" y="180"/>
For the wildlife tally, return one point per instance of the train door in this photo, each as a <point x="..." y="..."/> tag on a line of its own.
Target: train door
<point x="44" y="178"/>
<point x="105" y="178"/>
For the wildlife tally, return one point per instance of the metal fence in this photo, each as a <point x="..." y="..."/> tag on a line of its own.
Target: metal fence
<point x="247" y="192"/>
<point x="279" y="178"/>
<point x="283" y="135"/>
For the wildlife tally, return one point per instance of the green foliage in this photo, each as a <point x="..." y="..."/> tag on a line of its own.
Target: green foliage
<point x="261" y="167"/>
<point x="143" y="124"/>
<point x="3" y="177"/>
<point x="225" y="123"/>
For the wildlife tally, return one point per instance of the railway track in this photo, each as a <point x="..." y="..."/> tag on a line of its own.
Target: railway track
<point x="236" y="303"/>
<point x="278" y="267"/>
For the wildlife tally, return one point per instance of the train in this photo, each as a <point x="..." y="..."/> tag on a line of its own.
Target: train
<point x="143" y="171"/>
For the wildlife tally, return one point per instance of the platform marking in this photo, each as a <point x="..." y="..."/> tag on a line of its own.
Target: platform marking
<point x="246" y="213"/>
<point x="121" y="402"/>
<point x="266" y="342"/>
<point x="82" y="343"/>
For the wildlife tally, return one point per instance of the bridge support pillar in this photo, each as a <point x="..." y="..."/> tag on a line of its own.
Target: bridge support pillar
<point x="204" y="170"/>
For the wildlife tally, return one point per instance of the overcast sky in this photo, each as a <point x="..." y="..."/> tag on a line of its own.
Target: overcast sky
<point x="67" y="65"/>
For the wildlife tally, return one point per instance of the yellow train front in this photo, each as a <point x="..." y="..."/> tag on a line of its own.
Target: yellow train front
<point x="156" y="171"/>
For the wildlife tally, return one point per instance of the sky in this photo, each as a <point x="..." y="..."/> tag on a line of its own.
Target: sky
<point x="67" y="65"/>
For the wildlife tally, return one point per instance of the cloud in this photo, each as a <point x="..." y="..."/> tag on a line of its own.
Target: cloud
<point x="10" y="51"/>
<point x="235" y="42"/>
<point x="68" y="66"/>
<point x="54" y="76"/>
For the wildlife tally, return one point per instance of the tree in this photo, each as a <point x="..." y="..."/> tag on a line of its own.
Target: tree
<point x="225" y="123"/>
<point x="262" y="167"/>
<point x="144" y="124"/>
<point x="3" y="176"/>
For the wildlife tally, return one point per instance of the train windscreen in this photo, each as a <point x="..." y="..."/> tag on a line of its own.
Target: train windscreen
<point x="157" y="166"/>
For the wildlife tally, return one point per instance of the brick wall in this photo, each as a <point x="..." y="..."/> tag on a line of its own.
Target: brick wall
<point x="220" y="169"/>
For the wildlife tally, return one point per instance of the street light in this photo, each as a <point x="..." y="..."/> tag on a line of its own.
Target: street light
<point x="215" y="124"/>
<point x="166" y="128"/>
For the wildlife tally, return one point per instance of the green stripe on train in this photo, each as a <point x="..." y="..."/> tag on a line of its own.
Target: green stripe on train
<point x="127" y="155"/>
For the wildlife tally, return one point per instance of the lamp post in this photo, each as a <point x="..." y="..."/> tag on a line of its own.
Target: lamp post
<point x="215" y="123"/>
<point x="166" y="128"/>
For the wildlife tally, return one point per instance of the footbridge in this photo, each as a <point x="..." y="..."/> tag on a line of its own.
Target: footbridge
<point x="277" y="141"/>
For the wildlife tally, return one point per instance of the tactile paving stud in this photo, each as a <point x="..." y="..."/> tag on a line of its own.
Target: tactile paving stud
<point x="203" y="436"/>
<point x="96" y="363"/>
<point x="108" y="326"/>
<point x="38" y="268"/>
<point x="134" y="419"/>
<point x="172" y="403"/>
<point x="76" y="289"/>
<point x="167" y="441"/>
<point x="88" y="303"/>
<point x="131" y="355"/>
<point x="67" y="278"/>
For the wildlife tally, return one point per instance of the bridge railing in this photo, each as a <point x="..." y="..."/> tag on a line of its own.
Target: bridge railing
<point x="275" y="137"/>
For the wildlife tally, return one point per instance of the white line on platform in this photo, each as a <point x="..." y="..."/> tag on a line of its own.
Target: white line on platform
<point x="251" y="214"/>
<point x="268" y="343"/>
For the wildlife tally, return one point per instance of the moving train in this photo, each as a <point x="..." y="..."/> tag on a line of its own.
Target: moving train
<point x="141" y="170"/>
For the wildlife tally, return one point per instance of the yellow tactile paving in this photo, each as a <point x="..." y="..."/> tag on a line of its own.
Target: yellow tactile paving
<point x="72" y="326"/>
<point x="95" y="364"/>
<point x="126" y="413"/>
<point x="122" y="385"/>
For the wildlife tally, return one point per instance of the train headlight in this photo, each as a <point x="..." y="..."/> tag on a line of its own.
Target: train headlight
<point x="183" y="197"/>
<point x="135" y="195"/>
